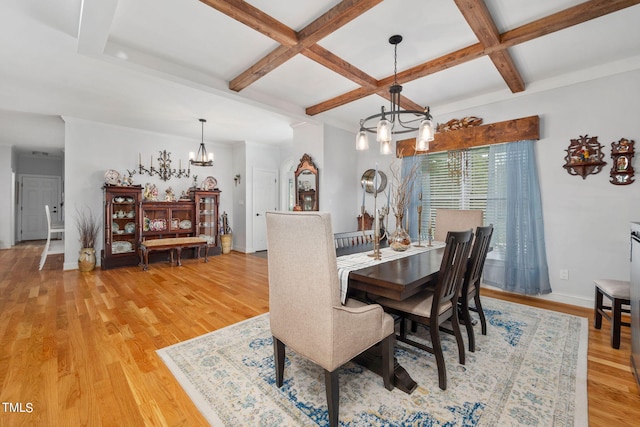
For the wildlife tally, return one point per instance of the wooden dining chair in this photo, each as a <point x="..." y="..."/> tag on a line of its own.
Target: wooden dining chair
<point x="51" y="247"/>
<point x="305" y="311"/>
<point x="471" y="284"/>
<point x="433" y="307"/>
<point x="352" y="238"/>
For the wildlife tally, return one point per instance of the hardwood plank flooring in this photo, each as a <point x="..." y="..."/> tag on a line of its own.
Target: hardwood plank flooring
<point x="80" y="348"/>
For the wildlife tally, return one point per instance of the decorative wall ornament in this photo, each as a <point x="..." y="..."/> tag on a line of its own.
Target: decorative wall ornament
<point x="455" y="124"/>
<point x="164" y="170"/>
<point x="622" y="153"/>
<point x="584" y="156"/>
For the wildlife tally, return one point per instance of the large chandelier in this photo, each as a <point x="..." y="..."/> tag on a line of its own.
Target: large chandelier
<point x="391" y="122"/>
<point x="201" y="158"/>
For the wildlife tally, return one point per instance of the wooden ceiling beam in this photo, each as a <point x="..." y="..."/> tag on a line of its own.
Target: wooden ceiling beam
<point x="253" y="17"/>
<point x="330" y="21"/>
<point x="574" y="15"/>
<point x="334" y="63"/>
<point x="477" y="15"/>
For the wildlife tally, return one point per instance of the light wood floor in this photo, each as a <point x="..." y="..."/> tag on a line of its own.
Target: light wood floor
<point x="79" y="348"/>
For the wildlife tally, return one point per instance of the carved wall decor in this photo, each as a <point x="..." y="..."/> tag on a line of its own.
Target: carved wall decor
<point x="622" y="153"/>
<point x="584" y="156"/>
<point x="455" y="124"/>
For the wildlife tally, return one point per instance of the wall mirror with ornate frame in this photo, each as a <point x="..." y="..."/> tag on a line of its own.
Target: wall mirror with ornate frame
<point x="307" y="194"/>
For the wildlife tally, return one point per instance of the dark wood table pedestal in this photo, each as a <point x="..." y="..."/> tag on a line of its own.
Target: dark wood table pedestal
<point x="372" y="360"/>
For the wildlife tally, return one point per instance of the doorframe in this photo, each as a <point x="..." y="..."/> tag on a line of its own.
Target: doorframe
<point x="20" y="198"/>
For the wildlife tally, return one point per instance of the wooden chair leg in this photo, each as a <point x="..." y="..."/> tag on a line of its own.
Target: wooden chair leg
<point x="333" y="396"/>
<point x="278" y="356"/>
<point x="616" y="321"/>
<point x="456" y="331"/>
<point x="483" y="320"/>
<point x="466" y="318"/>
<point x="597" y="321"/>
<point x="437" y="351"/>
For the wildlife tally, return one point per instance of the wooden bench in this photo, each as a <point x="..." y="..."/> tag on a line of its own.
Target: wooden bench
<point x="171" y="244"/>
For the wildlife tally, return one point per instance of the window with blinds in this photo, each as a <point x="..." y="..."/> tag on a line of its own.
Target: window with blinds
<point x="453" y="180"/>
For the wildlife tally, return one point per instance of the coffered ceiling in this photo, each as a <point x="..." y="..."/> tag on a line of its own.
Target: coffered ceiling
<point x="256" y="68"/>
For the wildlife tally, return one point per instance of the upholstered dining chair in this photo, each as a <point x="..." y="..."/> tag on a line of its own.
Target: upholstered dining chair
<point x="471" y="284"/>
<point x="619" y="294"/>
<point x="433" y="307"/>
<point x="305" y="311"/>
<point x="456" y="219"/>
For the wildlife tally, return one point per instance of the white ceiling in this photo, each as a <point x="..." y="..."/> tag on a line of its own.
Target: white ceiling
<point x="159" y="65"/>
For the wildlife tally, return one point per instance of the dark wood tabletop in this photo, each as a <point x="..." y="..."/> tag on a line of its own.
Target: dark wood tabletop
<point x="400" y="278"/>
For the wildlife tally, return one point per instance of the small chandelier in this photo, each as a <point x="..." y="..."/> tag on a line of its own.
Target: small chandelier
<point x="201" y="158"/>
<point x="391" y="122"/>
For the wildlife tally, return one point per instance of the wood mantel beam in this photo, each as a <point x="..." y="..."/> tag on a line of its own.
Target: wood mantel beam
<point x="477" y="136"/>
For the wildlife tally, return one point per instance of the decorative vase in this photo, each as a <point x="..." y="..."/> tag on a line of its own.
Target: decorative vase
<point x="226" y="240"/>
<point x="87" y="259"/>
<point x="399" y="240"/>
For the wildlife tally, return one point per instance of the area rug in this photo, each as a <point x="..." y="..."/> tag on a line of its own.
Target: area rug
<point x="529" y="370"/>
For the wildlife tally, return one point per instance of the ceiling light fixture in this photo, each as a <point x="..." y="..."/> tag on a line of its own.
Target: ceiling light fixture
<point x="201" y="158"/>
<point x="391" y="122"/>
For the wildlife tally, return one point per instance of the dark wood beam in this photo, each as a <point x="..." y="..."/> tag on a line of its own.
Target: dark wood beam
<point x="575" y="15"/>
<point x="477" y="136"/>
<point x="334" y="63"/>
<point x="330" y="21"/>
<point x="477" y="15"/>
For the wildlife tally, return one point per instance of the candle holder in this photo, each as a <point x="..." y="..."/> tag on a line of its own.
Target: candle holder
<point x="164" y="170"/>
<point x="378" y="222"/>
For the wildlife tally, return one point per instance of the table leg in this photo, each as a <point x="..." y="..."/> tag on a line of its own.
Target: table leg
<point x="372" y="360"/>
<point x="179" y="255"/>
<point x="206" y="253"/>
<point x="146" y="259"/>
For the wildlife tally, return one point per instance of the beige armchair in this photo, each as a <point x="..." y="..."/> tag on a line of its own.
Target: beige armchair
<point x="456" y="220"/>
<point x="304" y="303"/>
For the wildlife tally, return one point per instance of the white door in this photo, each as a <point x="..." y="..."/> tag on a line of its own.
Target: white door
<point x="265" y="198"/>
<point x="37" y="191"/>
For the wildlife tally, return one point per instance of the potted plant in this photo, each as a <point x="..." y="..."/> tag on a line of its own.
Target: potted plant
<point x="88" y="227"/>
<point x="226" y="235"/>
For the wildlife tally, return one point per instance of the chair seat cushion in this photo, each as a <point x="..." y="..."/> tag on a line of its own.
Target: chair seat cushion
<point x="419" y="304"/>
<point x="619" y="289"/>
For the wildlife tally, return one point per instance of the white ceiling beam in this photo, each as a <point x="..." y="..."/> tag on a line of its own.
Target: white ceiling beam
<point x="96" y="17"/>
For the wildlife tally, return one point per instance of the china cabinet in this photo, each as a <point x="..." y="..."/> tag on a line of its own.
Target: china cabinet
<point x="167" y="219"/>
<point x="121" y="226"/>
<point x="207" y="217"/>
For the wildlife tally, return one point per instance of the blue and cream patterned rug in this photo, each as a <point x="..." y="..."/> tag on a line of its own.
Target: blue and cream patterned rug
<point x="529" y="370"/>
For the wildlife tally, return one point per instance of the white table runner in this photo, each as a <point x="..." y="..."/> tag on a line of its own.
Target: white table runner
<point x="348" y="263"/>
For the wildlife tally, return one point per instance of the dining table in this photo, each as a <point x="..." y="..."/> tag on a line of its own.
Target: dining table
<point x="394" y="275"/>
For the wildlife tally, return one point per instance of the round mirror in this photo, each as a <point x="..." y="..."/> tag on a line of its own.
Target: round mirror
<point x="368" y="179"/>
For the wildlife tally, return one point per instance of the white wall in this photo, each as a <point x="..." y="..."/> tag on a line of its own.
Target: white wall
<point x="7" y="195"/>
<point x="586" y="221"/>
<point x="92" y="148"/>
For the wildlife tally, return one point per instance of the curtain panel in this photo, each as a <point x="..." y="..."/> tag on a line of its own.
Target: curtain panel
<point x="518" y="262"/>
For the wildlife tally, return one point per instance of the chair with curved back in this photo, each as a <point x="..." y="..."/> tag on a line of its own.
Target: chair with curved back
<point x="471" y="284"/>
<point x="51" y="247"/>
<point x="352" y="238"/>
<point x="305" y="311"/>
<point x="433" y="307"/>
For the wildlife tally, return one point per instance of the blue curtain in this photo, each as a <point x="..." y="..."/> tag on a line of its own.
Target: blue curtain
<point x="519" y="261"/>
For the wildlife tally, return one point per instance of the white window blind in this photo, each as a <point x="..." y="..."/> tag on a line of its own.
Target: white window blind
<point x="453" y="180"/>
